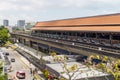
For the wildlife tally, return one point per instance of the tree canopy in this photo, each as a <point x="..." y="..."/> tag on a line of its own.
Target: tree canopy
<point x="3" y="35"/>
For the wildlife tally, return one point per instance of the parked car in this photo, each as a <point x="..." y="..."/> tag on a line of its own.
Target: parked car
<point x="6" y="53"/>
<point x="96" y="61"/>
<point x="21" y="74"/>
<point x="81" y="58"/>
<point x="12" y="59"/>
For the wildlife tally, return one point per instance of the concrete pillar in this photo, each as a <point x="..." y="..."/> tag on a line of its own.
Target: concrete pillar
<point x="110" y="39"/>
<point x="24" y="41"/>
<point x="85" y="35"/>
<point x="97" y="38"/>
<point x="20" y="40"/>
<point x="96" y="35"/>
<point x="30" y="43"/>
<point x="37" y="46"/>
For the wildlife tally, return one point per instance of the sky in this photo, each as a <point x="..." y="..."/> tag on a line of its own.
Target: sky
<point x="45" y="10"/>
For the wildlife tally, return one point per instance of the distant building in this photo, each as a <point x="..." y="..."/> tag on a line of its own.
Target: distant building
<point x="21" y="23"/>
<point x="29" y="25"/>
<point x="5" y="23"/>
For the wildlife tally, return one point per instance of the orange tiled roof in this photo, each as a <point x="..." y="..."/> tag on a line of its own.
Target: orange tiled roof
<point x="82" y="24"/>
<point x="95" y="28"/>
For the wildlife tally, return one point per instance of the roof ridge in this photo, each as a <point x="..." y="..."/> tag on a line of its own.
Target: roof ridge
<point x="81" y="17"/>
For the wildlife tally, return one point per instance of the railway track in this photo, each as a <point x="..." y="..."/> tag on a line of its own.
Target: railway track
<point x="106" y="50"/>
<point x="35" y="61"/>
<point x="112" y="50"/>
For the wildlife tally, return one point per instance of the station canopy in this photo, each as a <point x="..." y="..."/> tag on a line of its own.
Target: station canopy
<point x="106" y="23"/>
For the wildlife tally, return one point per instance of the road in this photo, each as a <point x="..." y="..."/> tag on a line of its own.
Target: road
<point x="20" y="64"/>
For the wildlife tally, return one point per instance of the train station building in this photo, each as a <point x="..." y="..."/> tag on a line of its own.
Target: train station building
<point x="84" y="35"/>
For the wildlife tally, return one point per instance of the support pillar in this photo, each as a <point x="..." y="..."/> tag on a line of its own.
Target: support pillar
<point x="97" y="38"/>
<point x="85" y="35"/>
<point x="37" y="46"/>
<point x="110" y="38"/>
<point x="30" y="43"/>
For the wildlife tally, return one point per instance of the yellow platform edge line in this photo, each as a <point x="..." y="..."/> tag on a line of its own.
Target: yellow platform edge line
<point x="37" y="77"/>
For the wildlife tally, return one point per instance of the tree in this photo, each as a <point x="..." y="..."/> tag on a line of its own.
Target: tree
<point x="70" y="71"/>
<point x="2" y="77"/>
<point x="111" y="66"/>
<point x="3" y="35"/>
<point x="96" y="62"/>
<point x="53" y="53"/>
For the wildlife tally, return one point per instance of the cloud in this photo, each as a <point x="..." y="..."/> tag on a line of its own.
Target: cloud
<point x="53" y="9"/>
<point x="6" y="6"/>
<point x="14" y="10"/>
<point x="74" y="3"/>
<point x="23" y="4"/>
<point x="89" y="3"/>
<point x="40" y="5"/>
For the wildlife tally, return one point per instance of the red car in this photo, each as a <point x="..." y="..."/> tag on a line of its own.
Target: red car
<point x="20" y="74"/>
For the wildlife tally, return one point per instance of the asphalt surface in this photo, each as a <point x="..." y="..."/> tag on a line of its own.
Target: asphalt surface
<point x="20" y="64"/>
